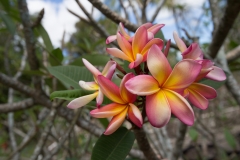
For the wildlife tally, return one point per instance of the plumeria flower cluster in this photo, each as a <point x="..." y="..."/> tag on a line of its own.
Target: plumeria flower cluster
<point x="153" y="88"/>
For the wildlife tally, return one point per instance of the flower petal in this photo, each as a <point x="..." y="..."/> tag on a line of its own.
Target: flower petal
<point x="111" y="39"/>
<point x="110" y="89"/>
<point x="166" y="50"/>
<point x="158" y="64"/>
<point x="109" y="69"/>
<point x="216" y="74"/>
<point x="181" y="45"/>
<point x="197" y="99"/>
<point x="180" y="107"/>
<point x="135" y="115"/>
<point x="91" y="86"/>
<point x="157" y="109"/>
<point x="125" y="46"/>
<point x="81" y="101"/>
<point x="193" y="52"/>
<point x="155" y="28"/>
<point x="108" y="110"/>
<point x="207" y="91"/>
<point x="142" y="85"/>
<point x="118" y="53"/>
<point x="155" y="41"/>
<point x="183" y="74"/>
<point x="125" y="94"/>
<point x="91" y="68"/>
<point x="123" y="32"/>
<point x="99" y="98"/>
<point x="116" y="122"/>
<point x="139" y="40"/>
<point x="138" y="60"/>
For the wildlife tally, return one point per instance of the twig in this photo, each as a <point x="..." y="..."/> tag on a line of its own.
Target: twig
<point x="124" y="9"/>
<point x="65" y="136"/>
<point x="177" y="150"/>
<point x="135" y="12"/>
<point x="112" y="15"/>
<point x="78" y="16"/>
<point x="159" y="7"/>
<point x="44" y="135"/>
<point x="144" y="18"/>
<point x="13" y="107"/>
<point x="144" y="145"/>
<point x="39" y="18"/>
<point x="224" y="27"/>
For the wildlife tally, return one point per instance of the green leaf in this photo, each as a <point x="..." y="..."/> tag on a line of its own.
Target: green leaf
<point x="69" y="94"/>
<point x="159" y="35"/>
<point x="56" y="57"/>
<point x="230" y="138"/>
<point x="115" y="146"/>
<point x="5" y="4"/>
<point x="104" y="122"/>
<point x="71" y="75"/>
<point x="214" y="84"/>
<point x="8" y="22"/>
<point x="193" y="134"/>
<point x="46" y="39"/>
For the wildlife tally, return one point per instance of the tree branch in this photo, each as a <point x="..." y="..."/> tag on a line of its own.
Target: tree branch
<point x="224" y="27"/>
<point x="233" y="54"/>
<point x="39" y="19"/>
<point x="159" y="7"/>
<point x="112" y="15"/>
<point x="13" y="107"/>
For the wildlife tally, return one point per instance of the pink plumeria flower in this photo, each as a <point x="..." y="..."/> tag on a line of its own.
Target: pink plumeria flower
<point x="123" y="104"/>
<point x="195" y="53"/>
<point x="163" y="87"/>
<point x="199" y="94"/>
<point x="107" y="72"/>
<point x="135" y="52"/>
<point x="151" y="31"/>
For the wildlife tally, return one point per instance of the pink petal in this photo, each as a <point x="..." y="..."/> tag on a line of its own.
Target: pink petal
<point x="197" y="99"/>
<point x="91" y="68"/>
<point x="108" y="110"/>
<point x="147" y="25"/>
<point x="180" y="107"/>
<point x="216" y="74"/>
<point x="158" y="64"/>
<point x="110" y="89"/>
<point x="123" y="32"/>
<point x="155" y="28"/>
<point x="125" y="94"/>
<point x="207" y="66"/>
<point x="91" y="86"/>
<point x="99" y="98"/>
<point x="183" y="74"/>
<point x="111" y="39"/>
<point x="139" y="40"/>
<point x="193" y="52"/>
<point x="142" y="85"/>
<point x="157" y="109"/>
<point x="138" y="60"/>
<point x="116" y="122"/>
<point x="166" y="50"/>
<point x="81" y="101"/>
<point x="109" y="69"/>
<point x="181" y="45"/>
<point x="150" y="36"/>
<point x="207" y="91"/>
<point x="125" y="46"/>
<point x="155" y="41"/>
<point x="118" y="53"/>
<point x="135" y="115"/>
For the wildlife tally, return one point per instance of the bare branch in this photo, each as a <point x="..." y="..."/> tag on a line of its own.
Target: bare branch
<point x="144" y="18"/>
<point x="13" y="107"/>
<point x="135" y="12"/>
<point x="177" y="150"/>
<point x="144" y="145"/>
<point x="78" y="16"/>
<point x="224" y="27"/>
<point x="39" y="18"/>
<point x="30" y="41"/>
<point x="65" y="136"/>
<point x="112" y="15"/>
<point x="159" y="7"/>
<point x="124" y="9"/>
<point x="233" y="54"/>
